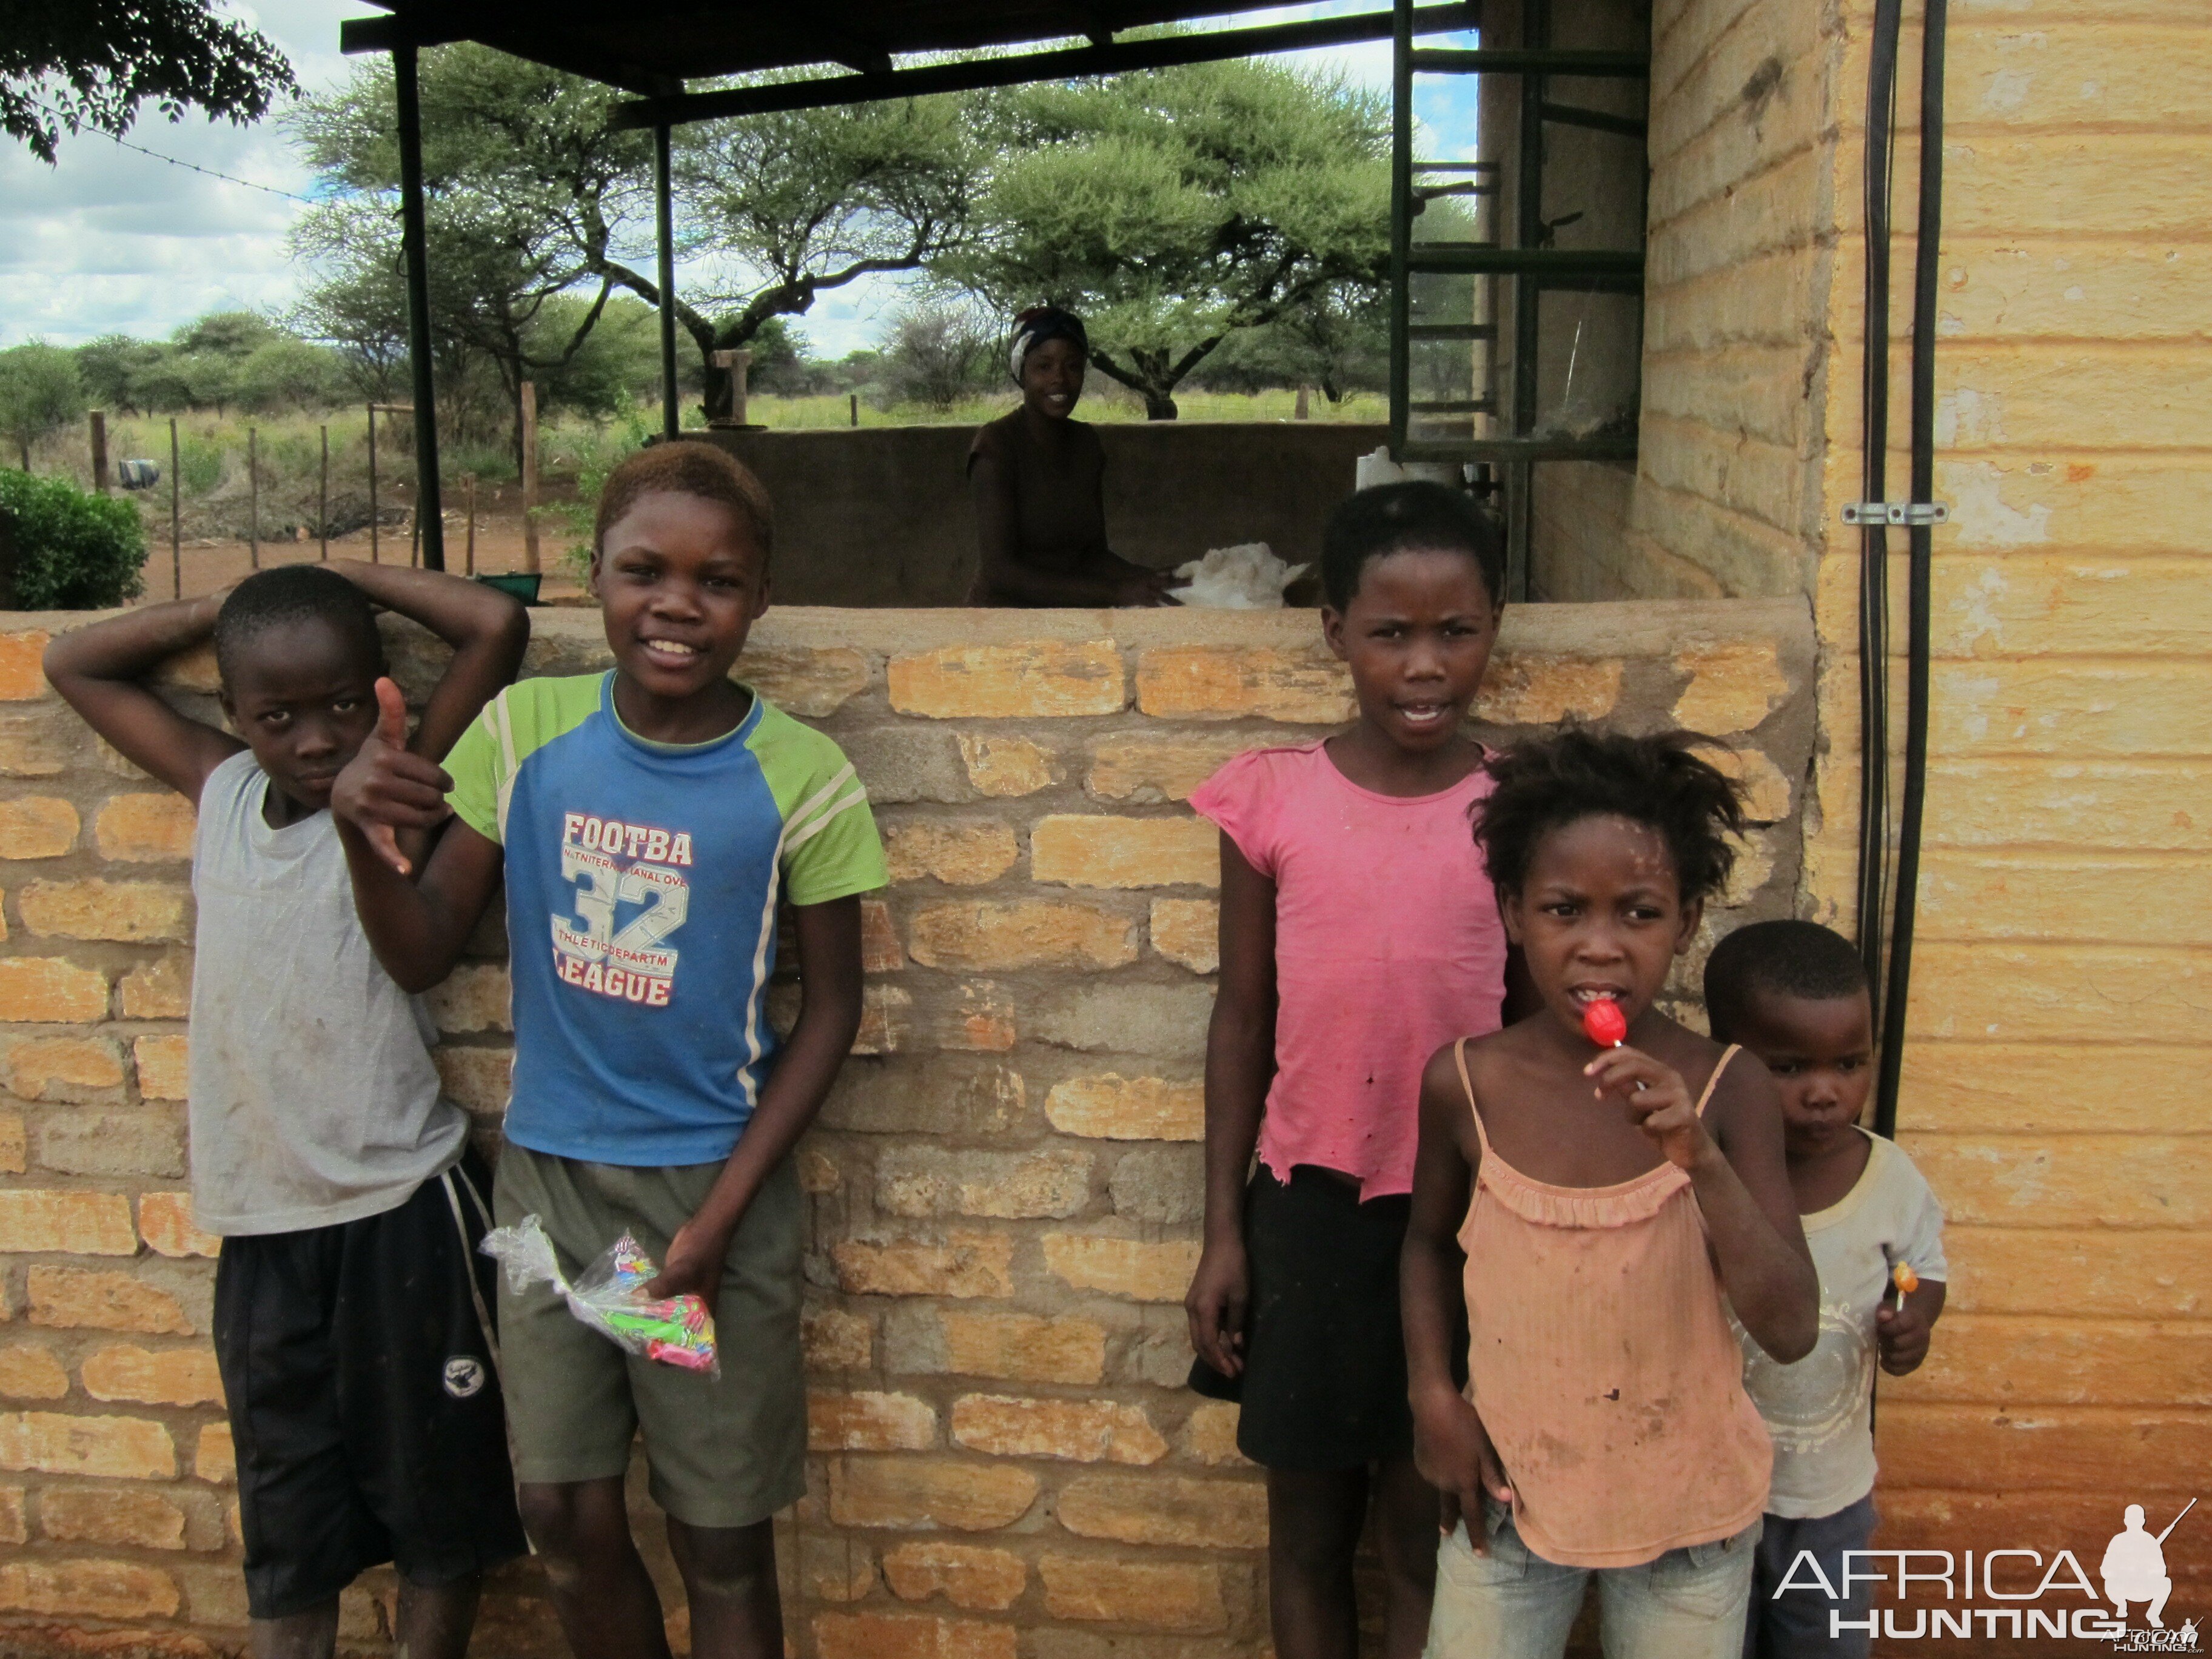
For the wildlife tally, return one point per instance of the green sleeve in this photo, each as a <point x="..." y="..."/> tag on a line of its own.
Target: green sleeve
<point x="474" y="766"/>
<point x="835" y="851"/>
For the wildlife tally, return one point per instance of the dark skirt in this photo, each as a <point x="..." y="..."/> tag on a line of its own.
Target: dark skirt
<point x="1324" y="1380"/>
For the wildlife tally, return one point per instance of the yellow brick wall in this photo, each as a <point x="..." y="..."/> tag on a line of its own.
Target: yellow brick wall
<point x="2053" y="1038"/>
<point x="1738" y="362"/>
<point x="1004" y="1188"/>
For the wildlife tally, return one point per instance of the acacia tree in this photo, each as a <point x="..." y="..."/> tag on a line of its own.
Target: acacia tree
<point x="524" y="188"/>
<point x="1174" y="207"/>
<point x="787" y="206"/>
<point x="79" y="63"/>
<point x="39" y="391"/>
<point x="529" y="193"/>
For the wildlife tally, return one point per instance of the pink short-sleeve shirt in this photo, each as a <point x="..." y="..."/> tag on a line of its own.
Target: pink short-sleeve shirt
<point x="1387" y="945"/>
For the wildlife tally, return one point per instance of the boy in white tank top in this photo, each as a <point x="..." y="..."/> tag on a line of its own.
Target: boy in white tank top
<point x="357" y="1369"/>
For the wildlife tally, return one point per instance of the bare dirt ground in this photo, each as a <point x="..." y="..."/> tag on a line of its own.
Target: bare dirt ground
<point x="207" y="566"/>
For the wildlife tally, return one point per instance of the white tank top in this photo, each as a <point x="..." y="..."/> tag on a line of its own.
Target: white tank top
<point x="313" y="1097"/>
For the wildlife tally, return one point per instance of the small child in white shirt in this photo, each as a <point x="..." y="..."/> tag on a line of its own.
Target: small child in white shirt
<point x="1795" y="994"/>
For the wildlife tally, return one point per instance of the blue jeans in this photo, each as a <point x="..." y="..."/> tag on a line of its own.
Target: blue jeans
<point x="1512" y="1604"/>
<point x="1794" y="1623"/>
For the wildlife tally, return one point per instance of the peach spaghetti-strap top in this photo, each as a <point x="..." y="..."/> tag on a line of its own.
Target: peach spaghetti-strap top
<point x="1602" y="1364"/>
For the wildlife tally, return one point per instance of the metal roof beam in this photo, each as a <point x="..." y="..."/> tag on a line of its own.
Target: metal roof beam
<point x="462" y="22"/>
<point x="1065" y="64"/>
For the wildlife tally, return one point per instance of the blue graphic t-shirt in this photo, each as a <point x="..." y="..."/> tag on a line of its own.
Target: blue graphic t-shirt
<point x="641" y="887"/>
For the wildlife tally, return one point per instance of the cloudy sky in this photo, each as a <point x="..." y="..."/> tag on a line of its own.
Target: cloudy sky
<point x="111" y="240"/>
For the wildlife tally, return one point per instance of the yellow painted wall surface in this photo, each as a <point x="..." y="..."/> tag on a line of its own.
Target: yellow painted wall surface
<point x="2056" y="1033"/>
<point x="1005" y="1186"/>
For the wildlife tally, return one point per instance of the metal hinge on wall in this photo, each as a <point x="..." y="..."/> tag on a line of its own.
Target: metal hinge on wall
<point x="1900" y="513"/>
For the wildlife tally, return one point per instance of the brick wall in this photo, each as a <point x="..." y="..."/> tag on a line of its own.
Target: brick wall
<point x="2053" y="1039"/>
<point x="2055" y="1033"/>
<point x="1748" y="178"/>
<point x="1004" y="1189"/>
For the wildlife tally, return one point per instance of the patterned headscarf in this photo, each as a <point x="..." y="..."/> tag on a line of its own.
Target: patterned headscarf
<point x="1041" y="323"/>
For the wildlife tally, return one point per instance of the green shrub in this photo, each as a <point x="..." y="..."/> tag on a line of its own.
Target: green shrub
<point x="612" y="443"/>
<point x="200" y="463"/>
<point x="74" y="551"/>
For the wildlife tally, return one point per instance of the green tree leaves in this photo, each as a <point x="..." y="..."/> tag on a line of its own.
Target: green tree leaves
<point x="79" y="64"/>
<point x="40" y="390"/>
<point x="1175" y="207"/>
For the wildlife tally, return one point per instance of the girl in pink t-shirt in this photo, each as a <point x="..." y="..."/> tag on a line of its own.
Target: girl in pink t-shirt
<point x="1358" y="933"/>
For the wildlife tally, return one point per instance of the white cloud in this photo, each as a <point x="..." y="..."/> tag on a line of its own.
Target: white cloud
<point x="110" y="240"/>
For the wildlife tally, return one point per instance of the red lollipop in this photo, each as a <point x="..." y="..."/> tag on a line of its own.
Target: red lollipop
<point x="1604" y="1023"/>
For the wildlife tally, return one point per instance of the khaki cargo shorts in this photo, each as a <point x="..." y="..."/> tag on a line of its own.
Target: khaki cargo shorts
<point x="723" y="1451"/>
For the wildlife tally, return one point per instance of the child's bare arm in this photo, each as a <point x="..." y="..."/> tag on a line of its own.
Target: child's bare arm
<point x="1733" y="1155"/>
<point x="1902" y="1333"/>
<point x="486" y="629"/>
<point x="1240" y="1062"/>
<point x="1751" y="1214"/>
<point x="416" y="928"/>
<point x="101" y="672"/>
<point x="828" y="1016"/>
<point x="1450" y="1446"/>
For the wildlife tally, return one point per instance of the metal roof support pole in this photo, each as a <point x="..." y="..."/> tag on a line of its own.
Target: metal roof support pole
<point x="1528" y="233"/>
<point x="663" y="222"/>
<point x="1401" y="222"/>
<point x="414" y="240"/>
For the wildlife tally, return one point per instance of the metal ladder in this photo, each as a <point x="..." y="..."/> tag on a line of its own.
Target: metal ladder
<point x="1492" y="419"/>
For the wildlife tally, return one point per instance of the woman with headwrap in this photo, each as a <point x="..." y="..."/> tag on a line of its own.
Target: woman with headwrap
<point x="1038" y="481"/>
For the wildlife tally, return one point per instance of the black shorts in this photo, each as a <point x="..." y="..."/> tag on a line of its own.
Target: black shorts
<point x="1324" y="1379"/>
<point x="364" y="1403"/>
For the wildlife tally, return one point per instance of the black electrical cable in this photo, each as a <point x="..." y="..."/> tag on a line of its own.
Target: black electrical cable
<point x="1874" y="540"/>
<point x="1927" y="256"/>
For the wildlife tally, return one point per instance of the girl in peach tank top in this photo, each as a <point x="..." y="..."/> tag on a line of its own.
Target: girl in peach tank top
<point x="1584" y="1210"/>
<point x="1602" y="1365"/>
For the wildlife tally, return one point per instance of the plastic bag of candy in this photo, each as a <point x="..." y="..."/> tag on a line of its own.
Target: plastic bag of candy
<point x="610" y="1295"/>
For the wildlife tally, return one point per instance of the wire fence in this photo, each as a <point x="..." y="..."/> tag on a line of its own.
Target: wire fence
<point x="280" y="485"/>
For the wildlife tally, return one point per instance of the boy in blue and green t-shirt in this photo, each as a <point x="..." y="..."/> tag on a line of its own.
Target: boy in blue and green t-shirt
<point x="646" y="822"/>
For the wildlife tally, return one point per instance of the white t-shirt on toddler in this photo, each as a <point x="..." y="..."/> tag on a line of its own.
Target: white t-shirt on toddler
<point x="1817" y="1410"/>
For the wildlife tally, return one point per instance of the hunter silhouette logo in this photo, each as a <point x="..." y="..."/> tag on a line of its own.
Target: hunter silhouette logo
<point x="2133" y="1570"/>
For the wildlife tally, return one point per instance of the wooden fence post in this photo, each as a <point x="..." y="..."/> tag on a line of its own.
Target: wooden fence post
<point x="99" y="419"/>
<point x="176" y="519"/>
<point x="372" y="558"/>
<point x="253" y="494"/>
<point x="323" y="500"/>
<point x="528" y="475"/>
<point x="469" y="558"/>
